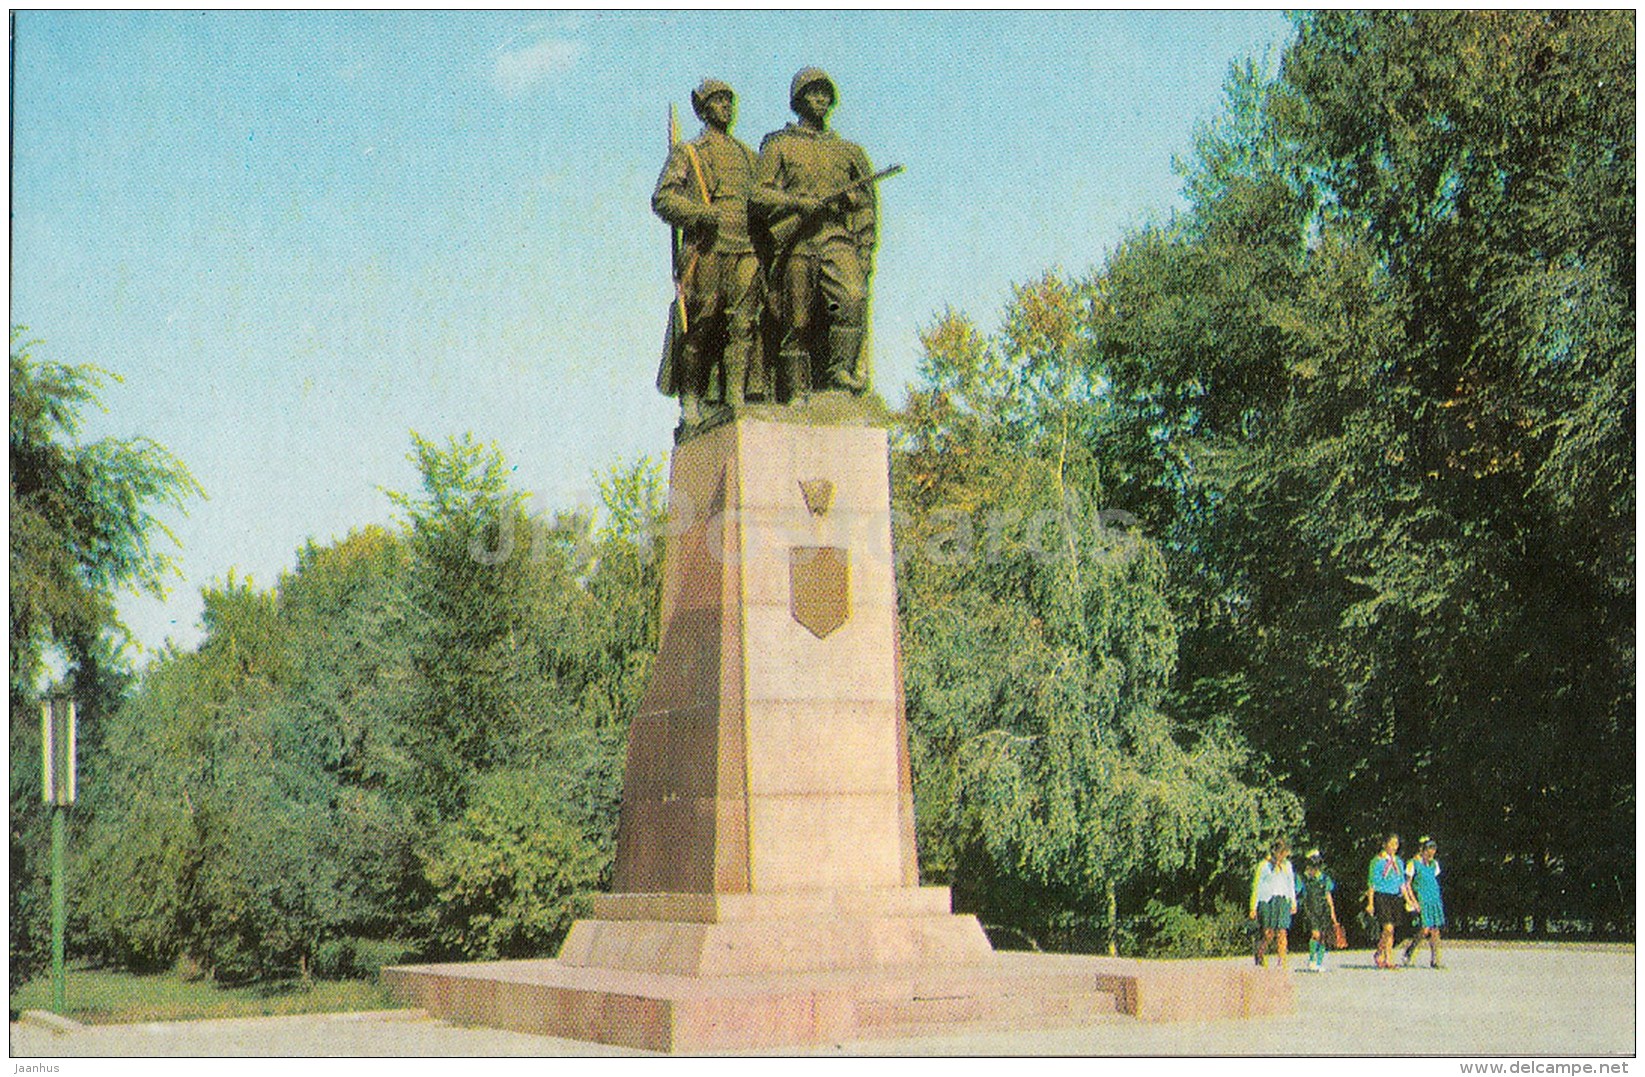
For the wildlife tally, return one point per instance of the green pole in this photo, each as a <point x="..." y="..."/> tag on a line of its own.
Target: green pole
<point x="59" y="909"/>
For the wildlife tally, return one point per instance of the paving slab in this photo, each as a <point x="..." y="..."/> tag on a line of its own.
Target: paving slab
<point x="1489" y="1001"/>
<point x="1538" y="1002"/>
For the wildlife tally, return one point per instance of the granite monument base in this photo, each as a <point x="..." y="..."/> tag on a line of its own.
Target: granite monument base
<point x="766" y="934"/>
<point x="704" y="1014"/>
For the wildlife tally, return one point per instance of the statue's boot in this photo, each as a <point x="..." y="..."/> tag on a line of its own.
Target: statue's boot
<point x="796" y="366"/>
<point x="757" y="387"/>
<point x="691" y="410"/>
<point x="844" y="347"/>
<point x="736" y="374"/>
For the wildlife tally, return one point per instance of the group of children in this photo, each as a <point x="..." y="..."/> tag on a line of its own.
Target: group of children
<point x="1408" y="887"/>
<point x="1394" y="889"/>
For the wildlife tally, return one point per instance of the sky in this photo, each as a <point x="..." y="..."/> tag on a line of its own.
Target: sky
<point x="297" y="237"/>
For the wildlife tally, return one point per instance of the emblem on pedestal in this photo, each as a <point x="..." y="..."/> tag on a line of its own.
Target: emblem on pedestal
<point x="819" y="579"/>
<point x="819" y="495"/>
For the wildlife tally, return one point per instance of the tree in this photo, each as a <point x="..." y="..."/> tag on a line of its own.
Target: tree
<point x="176" y="846"/>
<point x="415" y="737"/>
<point x="1051" y="783"/>
<point x="475" y="591"/>
<point x="81" y="516"/>
<point x="509" y="874"/>
<point x="82" y="528"/>
<point x="1378" y="383"/>
<point x="343" y="716"/>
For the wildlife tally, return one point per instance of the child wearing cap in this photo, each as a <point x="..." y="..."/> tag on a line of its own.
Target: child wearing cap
<point x="1423" y="873"/>
<point x="1318" y="908"/>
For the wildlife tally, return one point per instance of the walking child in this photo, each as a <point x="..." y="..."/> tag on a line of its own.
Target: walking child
<point x="1318" y="908"/>
<point x="1423" y="873"/>
<point x="1274" y="894"/>
<point x="1387" y="898"/>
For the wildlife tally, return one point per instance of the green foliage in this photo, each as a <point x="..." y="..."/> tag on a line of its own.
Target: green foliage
<point x="1039" y="648"/>
<point x="1173" y="931"/>
<point x="81" y="528"/>
<point x="508" y="874"/>
<point x="353" y="958"/>
<point x="29" y="935"/>
<point x="81" y="516"/>
<point x="315" y="779"/>
<point x="244" y="818"/>
<point x="1376" y="393"/>
<point x="201" y="829"/>
<point x="472" y="595"/>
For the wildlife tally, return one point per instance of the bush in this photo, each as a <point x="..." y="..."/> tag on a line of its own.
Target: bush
<point x="336" y="959"/>
<point x="352" y="958"/>
<point x="372" y="955"/>
<point x="30" y="935"/>
<point x="510" y="871"/>
<point x="1173" y="931"/>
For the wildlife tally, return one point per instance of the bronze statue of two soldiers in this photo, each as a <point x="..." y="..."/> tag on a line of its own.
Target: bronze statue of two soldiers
<point x="773" y="256"/>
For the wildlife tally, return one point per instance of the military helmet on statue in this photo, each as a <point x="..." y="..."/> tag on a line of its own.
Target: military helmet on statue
<point x="709" y="87"/>
<point x="810" y="76"/>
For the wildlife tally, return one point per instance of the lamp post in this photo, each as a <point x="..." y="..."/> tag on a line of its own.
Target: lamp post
<point x="57" y="731"/>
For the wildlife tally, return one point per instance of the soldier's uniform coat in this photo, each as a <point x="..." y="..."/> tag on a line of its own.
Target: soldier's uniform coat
<point x="721" y="291"/>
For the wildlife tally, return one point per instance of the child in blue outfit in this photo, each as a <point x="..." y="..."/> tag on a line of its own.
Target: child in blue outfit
<point x="1423" y="873"/>
<point x="1388" y="896"/>
<point x="1318" y="908"/>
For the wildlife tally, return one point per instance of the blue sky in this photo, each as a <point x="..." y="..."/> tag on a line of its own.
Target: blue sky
<point x="298" y="236"/>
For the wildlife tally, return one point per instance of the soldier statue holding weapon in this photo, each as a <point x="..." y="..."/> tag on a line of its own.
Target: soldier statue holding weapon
<point x="714" y="322"/>
<point x="814" y="201"/>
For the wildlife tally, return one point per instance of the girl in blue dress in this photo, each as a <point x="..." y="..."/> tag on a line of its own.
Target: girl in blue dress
<point x="1423" y="873"/>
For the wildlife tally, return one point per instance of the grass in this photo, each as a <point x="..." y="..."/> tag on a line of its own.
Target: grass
<point x="102" y="997"/>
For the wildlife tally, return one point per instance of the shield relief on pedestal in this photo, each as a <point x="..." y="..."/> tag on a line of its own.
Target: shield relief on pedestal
<point x="819" y="580"/>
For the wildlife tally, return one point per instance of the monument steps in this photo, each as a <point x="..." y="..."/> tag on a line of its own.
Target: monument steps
<point x="1012" y="1006"/>
<point x="958" y="1017"/>
<point x="708" y="1014"/>
<point x="698" y="1014"/>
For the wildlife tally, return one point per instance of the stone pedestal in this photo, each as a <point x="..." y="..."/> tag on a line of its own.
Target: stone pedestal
<point x="766" y="886"/>
<point x="768" y="815"/>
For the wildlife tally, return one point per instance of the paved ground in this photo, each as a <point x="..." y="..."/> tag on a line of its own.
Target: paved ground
<point x="1502" y="1001"/>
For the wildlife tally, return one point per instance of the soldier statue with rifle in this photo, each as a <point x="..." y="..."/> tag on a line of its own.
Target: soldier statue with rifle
<point x="714" y="323"/>
<point x="813" y="205"/>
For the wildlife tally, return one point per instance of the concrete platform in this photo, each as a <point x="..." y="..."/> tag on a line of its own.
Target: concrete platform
<point x="771" y="934"/>
<point x="1493" y="1001"/>
<point x="694" y="1014"/>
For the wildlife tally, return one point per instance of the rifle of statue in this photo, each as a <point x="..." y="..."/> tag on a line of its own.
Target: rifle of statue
<point x="784" y="230"/>
<point x="682" y="269"/>
<point x="682" y="275"/>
